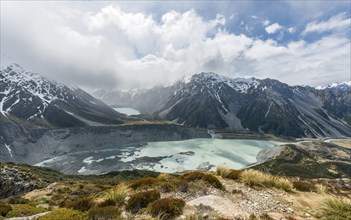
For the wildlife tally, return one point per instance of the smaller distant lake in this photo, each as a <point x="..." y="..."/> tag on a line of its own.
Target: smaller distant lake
<point x="127" y="111"/>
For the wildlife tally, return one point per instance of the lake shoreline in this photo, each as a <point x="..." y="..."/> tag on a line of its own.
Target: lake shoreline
<point x="166" y="156"/>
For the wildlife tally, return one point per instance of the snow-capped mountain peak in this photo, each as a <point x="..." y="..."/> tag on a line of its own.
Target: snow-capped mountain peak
<point x="48" y="91"/>
<point x="342" y="85"/>
<point x="213" y="80"/>
<point x="29" y="96"/>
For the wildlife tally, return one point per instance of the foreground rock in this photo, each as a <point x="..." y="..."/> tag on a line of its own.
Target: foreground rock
<point x="224" y="207"/>
<point x="15" y="181"/>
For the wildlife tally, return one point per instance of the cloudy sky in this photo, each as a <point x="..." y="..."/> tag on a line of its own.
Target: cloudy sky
<point x="96" y="44"/>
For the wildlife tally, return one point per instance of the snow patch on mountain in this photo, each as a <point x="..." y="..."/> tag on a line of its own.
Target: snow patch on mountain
<point x="27" y="95"/>
<point x="38" y="86"/>
<point x="211" y="80"/>
<point x="9" y="149"/>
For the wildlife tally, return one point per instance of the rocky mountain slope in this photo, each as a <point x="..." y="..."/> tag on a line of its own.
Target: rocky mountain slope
<point x="32" y="98"/>
<point x="208" y="100"/>
<point x="312" y="159"/>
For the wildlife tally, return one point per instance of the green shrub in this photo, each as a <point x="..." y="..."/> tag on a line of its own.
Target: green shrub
<point x="168" y="208"/>
<point x="20" y="210"/>
<point x="141" y="200"/>
<point x="83" y="204"/>
<point x="64" y="214"/>
<point x="335" y="208"/>
<point x="143" y="183"/>
<point x="304" y="186"/>
<point x="4" y="209"/>
<point x="182" y="185"/>
<point x="209" y="178"/>
<point x="192" y="176"/>
<point x="167" y="187"/>
<point x="104" y="213"/>
<point x="213" y="181"/>
<point x="107" y="202"/>
<point x="17" y="200"/>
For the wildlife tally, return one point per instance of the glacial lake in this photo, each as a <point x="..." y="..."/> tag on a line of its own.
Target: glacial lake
<point x="127" y="111"/>
<point x="169" y="156"/>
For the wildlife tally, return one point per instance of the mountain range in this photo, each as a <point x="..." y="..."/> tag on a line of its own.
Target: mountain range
<point x="203" y="100"/>
<point x="212" y="101"/>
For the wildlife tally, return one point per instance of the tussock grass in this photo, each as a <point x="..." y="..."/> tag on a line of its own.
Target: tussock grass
<point x="258" y="178"/>
<point x="118" y="193"/>
<point x="321" y="189"/>
<point x="208" y="178"/>
<point x="223" y="171"/>
<point x="335" y="208"/>
<point x="283" y="183"/>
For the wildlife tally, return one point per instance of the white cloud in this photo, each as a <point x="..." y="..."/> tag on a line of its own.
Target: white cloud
<point x="273" y="28"/>
<point x="335" y="23"/>
<point x="291" y="30"/>
<point x="115" y="48"/>
<point x="266" y="22"/>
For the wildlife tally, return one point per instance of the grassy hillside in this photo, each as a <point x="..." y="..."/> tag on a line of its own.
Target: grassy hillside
<point x="226" y="194"/>
<point x="312" y="159"/>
